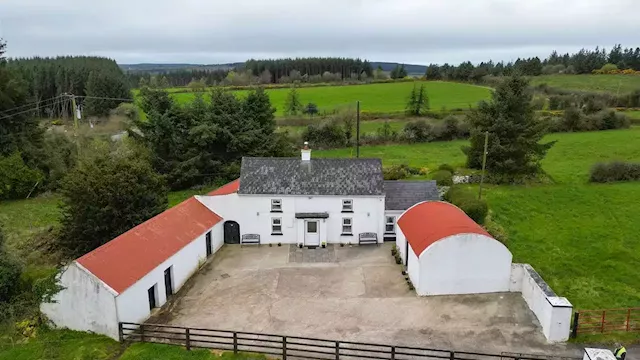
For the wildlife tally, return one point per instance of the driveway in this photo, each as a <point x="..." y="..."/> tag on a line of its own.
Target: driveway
<point x="348" y="293"/>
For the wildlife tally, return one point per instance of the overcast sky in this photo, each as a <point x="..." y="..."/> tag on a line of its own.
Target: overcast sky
<point x="409" y="31"/>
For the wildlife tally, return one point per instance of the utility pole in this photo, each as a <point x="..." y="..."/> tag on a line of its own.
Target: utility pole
<point x="74" y="109"/>
<point x="484" y="162"/>
<point x="358" y="128"/>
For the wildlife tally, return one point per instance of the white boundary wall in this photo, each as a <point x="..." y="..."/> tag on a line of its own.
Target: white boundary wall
<point x="553" y="312"/>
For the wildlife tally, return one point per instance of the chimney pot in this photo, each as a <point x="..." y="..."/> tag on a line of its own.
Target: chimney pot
<point x="305" y="152"/>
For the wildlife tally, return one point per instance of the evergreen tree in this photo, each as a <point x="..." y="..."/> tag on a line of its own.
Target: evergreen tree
<point x="292" y="105"/>
<point x="108" y="193"/>
<point x="514" y="150"/>
<point x="104" y="92"/>
<point x="418" y="101"/>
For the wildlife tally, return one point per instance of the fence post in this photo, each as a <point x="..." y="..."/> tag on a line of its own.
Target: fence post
<point x="393" y="353"/>
<point x="284" y="348"/>
<point x="604" y="312"/>
<point x="120" y="332"/>
<point x="629" y="319"/>
<point x="187" y="339"/>
<point x="452" y="355"/>
<point x="235" y="342"/>
<point x="141" y="332"/>
<point x="337" y="350"/>
<point x="574" y="326"/>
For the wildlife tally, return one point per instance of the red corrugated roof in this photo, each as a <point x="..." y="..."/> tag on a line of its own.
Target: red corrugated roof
<point x="227" y="189"/>
<point x="129" y="257"/>
<point x="430" y="221"/>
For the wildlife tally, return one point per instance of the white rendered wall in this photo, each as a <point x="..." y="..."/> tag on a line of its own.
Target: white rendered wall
<point x="86" y="304"/>
<point x="413" y="268"/>
<point x="553" y="312"/>
<point x="253" y="214"/>
<point x="464" y="264"/>
<point x="401" y="244"/>
<point x="133" y="303"/>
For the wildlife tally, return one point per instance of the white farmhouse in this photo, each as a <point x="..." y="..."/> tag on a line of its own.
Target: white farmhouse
<point x="303" y="202"/>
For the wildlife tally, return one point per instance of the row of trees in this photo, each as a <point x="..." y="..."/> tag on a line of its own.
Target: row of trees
<point x="46" y="78"/>
<point x="277" y="68"/>
<point x="583" y="62"/>
<point x="177" y="78"/>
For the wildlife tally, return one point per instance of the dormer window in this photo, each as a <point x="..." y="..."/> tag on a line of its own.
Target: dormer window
<point x="276" y="205"/>
<point x="347" y="205"/>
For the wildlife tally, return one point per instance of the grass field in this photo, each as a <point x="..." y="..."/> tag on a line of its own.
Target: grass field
<point x="379" y="98"/>
<point x="583" y="238"/>
<point x="601" y="83"/>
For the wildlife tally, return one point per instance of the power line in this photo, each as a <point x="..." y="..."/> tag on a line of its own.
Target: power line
<point x="105" y="98"/>
<point x="36" y="103"/>
<point x="29" y="110"/>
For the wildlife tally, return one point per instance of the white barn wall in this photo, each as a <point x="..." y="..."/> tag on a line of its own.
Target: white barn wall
<point x="401" y="243"/>
<point x="133" y="303"/>
<point x="413" y="269"/>
<point x="86" y="303"/>
<point x="253" y="214"/>
<point x="465" y="264"/>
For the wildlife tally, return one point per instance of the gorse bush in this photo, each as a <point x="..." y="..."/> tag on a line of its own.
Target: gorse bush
<point x="575" y="119"/>
<point x="615" y="171"/>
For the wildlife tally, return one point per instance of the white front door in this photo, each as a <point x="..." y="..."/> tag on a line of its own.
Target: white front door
<point x="311" y="233"/>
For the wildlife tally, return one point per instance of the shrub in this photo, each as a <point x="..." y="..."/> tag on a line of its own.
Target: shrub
<point x="615" y="171"/>
<point x="476" y="209"/>
<point x="16" y="178"/>
<point x="443" y="178"/>
<point x="398" y="172"/>
<point x="418" y="131"/>
<point x="9" y="273"/>
<point x="325" y="134"/>
<point x="130" y="111"/>
<point x="447" y="167"/>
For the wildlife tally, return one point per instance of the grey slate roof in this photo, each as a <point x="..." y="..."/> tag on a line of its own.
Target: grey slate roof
<point x="401" y="195"/>
<point x="292" y="176"/>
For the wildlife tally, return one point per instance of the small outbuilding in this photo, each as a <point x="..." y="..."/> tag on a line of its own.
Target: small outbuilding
<point x="447" y="253"/>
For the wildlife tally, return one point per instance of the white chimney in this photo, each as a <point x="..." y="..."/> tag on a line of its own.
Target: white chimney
<point x="305" y="152"/>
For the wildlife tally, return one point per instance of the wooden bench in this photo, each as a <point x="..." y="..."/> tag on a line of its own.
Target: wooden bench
<point x="250" y="239"/>
<point x="368" y="238"/>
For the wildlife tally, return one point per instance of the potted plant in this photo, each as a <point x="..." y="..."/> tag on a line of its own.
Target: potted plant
<point x="279" y="244"/>
<point x="324" y="244"/>
<point x="394" y="251"/>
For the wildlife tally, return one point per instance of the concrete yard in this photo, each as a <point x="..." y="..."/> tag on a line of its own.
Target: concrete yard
<point x="348" y="293"/>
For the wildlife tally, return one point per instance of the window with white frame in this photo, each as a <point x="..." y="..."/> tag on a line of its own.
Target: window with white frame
<point x="347" y="226"/>
<point x="347" y="205"/>
<point x="276" y="205"/>
<point x="390" y="225"/>
<point x="276" y="226"/>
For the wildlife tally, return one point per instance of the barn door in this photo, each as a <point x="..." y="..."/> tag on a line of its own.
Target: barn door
<point x="231" y="232"/>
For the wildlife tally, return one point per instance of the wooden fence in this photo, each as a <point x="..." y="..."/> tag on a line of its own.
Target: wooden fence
<point x="605" y="321"/>
<point x="295" y="347"/>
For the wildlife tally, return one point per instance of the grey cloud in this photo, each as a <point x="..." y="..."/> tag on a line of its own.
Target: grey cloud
<point x="416" y="31"/>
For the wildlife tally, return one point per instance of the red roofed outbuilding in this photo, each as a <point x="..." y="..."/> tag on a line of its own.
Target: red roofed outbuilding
<point x="446" y="252"/>
<point x="126" y="278"/>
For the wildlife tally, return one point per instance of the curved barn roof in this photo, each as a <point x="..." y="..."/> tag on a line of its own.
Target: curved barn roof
<point x="430" y="221"/>
<point x="226" y="189"/>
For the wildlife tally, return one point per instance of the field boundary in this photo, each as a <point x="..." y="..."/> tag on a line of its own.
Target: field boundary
<point x="295" y="346"/>
<point x="605" y="321"/>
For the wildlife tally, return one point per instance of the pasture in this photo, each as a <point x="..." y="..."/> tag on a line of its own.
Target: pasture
<point x="374" y="98"/>
<point x="582" y="238"/>
<point x="615" y="84"/>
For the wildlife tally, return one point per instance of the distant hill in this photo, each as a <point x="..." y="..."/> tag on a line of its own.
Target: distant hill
<point x="411" y="68"/>
<point x="147" y="67"/>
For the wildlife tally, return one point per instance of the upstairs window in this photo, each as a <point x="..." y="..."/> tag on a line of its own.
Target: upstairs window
<point x="276" y="205"/>
<point x="347" y="226"/>
<point x="347" y="205"/>
<point x="276" y="226"/>
<point x="390" y="225"/>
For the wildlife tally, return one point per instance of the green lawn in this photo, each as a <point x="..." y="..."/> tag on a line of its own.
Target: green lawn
<point x="171" y="352"/>
<point x="60" y="345"/>
<point x="602" y="83"/>
<point x="379" y="98"/>
<point x="584" y="239"/>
